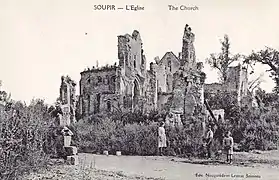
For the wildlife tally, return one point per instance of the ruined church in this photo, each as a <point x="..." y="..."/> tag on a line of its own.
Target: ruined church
<point x="173" y="83"/>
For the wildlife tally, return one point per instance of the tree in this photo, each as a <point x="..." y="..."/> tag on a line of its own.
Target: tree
<point x="224" y="100"/>
<point x="223" y="60"/>
<point x="255" y="83"/>
<point x="267" y="99"/>
<point x="270" y="57"/>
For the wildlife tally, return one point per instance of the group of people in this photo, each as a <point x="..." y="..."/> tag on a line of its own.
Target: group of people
<point x="227" y="144"/>
<point x="208" y="142"/>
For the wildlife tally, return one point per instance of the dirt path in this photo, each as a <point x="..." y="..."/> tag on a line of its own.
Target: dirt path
<point x="260" y="166"/>
<point x="176" y="169"/>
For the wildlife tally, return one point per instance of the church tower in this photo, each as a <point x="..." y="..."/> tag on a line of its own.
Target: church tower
<point x="188" y="50"/>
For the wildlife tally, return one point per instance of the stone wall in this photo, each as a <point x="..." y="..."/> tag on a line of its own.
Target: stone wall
<point x="187" y="93"/>
<point x="237" y="81"/>
<point x="164" y="101"/>
<point x="150" y="95"/>
<point x="95" y="85"/>
<point x="130" y="53"/>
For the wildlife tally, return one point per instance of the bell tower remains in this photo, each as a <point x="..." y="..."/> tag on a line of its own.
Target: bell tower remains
<point x="188" y="58"/>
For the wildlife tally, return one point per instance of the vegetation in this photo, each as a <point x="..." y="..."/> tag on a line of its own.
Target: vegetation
<point x="269" y="57"/>
<point x="25" y="138"/>
<point x="223" y="60"/>
<point x="137" y="137"/>
<point x="252" y="128"/>
<point x="29" y="134"/>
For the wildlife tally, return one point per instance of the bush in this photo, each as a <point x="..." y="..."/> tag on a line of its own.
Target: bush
<point x="252" y="128"/>
<point x="136" y="138"/>
<point x="23" y="133"/>
<point x="114" y="136"/>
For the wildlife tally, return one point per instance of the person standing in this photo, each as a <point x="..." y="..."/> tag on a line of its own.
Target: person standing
<point x="162" y="139"/>
<point x="228" y="146"/>
<point x="209" y="137"/>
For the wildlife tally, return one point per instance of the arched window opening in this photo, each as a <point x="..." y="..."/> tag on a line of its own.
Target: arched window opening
<point x="124" y="102"/>
<point x="88" y="105"/>
<point x="136" y="94"/>
<point x="98" y="103"/>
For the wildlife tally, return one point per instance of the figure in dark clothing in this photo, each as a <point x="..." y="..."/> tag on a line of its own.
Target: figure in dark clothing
<point x="209" y="137"/>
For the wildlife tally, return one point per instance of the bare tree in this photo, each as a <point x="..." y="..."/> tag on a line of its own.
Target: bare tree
<point x="255" y="83"/>
<point x="223" y="60"/>
<point x="270" y="57"/>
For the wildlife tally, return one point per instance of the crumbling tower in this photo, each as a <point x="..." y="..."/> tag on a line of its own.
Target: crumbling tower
<point x="188" y="58"/>
<point x="130" y="54"/>
<point x="187" y="99"/>
<point x="132" y="65"/>
<point x="68" y="100"/>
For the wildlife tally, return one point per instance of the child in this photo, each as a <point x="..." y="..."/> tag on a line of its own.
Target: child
<point x="228" y="146"/>
<point x="204" y="146"/>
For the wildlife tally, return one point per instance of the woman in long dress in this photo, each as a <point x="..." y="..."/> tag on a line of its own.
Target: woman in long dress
<point x="162" y="140"/>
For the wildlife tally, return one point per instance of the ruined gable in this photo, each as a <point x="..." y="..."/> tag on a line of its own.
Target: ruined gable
<point x="167" y="66"/>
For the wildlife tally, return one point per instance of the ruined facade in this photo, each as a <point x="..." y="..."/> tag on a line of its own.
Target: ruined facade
<point x="172" y="83"/>
<point x="126" y="86"/>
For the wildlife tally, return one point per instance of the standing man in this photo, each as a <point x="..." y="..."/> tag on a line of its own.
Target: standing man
<point x="209" y="138"/>
<point x="162" y="140"/>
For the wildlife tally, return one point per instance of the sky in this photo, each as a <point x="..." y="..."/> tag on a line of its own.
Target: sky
<point x="41" y="40"/>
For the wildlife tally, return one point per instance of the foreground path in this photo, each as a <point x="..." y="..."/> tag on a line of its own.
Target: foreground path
<point x="175" y="169"/>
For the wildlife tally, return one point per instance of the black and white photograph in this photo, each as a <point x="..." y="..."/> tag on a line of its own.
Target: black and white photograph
<point x="139" y="90"/>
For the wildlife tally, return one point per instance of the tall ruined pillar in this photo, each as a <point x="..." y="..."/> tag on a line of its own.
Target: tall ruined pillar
<point x="187" y="98"/>
<point x="188" y="50"/>
<point x="184" y="101"/>
<point x="68" y="100"/>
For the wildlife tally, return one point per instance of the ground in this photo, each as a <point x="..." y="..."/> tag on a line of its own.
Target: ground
<point x="265" y="165"/>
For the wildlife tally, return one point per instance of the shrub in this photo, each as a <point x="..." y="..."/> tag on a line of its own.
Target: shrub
<point x="136" y="138"/>
<point x="23" y="132"/>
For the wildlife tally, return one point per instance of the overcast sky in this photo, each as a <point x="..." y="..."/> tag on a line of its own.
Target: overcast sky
<point x="40" y="40"/>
